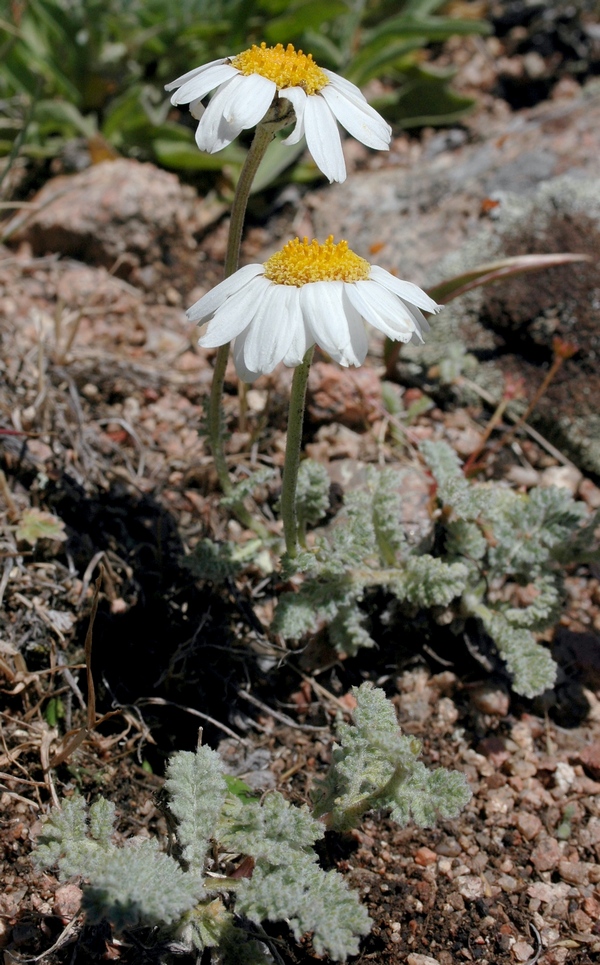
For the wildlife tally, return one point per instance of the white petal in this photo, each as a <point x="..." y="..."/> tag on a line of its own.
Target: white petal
<point x="270" y="333"/>
<point x="343" y="85"/>
<point x="323" y="138"/>
<point x="421" y="323"/>
<point x="231" y="110"/>
<point x="357" y="330"/>
<point x="382" y="310"/>
<point x="199" y="86"/>
<point x="359" y="118"/>
<point x="197" y="108"/>
<point x="322" y="303"/>
<point x="255" y="97"/>
<point x="297" y="98"/>
<point x="234" y="315"/>
<point x="194" y="73"/>
<point x="241" y="368"/>
<point x="209" y="303"/>
<point x="405" y="289"/>
<point x="302" y="337"/>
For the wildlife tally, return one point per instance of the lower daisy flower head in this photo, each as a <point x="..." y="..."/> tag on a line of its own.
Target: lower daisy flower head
<point x="305" y="294"/>
<point x="249" y="83"/>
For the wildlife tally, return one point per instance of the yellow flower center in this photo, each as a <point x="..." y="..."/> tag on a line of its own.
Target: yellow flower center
<point x="301" y="262"/>
<point x="285" y="66"/>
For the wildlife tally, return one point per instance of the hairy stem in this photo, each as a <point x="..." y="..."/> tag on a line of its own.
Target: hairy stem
<point x="262" y="139"/>
<point x="292" y="454"/>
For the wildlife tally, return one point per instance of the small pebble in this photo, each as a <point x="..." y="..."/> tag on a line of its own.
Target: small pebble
<point x="508" y="883"/>
<point x="449" y="847"/>
<point x="522" y="951"/>
<point x="546" y="855"/>
<point x="470" y="887"/>
<point x="67" y="901"/>
<point x="529" y="825"/>
<point x="589" y="493"/>
<point x="564" y="775"/>
<point x="425" y="856"/>
<point x="590" y="758"/>
<point x="490" y="700"/>
<point x="523" y="476"/>
<point x="575" y="872"/>
<point x="565" y="477"/>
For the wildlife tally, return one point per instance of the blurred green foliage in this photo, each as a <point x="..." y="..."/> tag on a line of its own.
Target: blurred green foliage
<point x="79" y="68"/>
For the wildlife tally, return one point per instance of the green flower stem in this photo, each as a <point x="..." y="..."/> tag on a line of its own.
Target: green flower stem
<point x="276" y="118"/>
<point x="292" y="454"/>
<point x="262" y="138"/>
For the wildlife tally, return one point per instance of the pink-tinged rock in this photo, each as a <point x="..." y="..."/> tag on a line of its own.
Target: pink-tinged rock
<point x="546" y="854"/>
<point x="490" y="700"/>
<point x="591" y="907"/>
<point x="415" y="959"/>
<point x="556" y="956"/>
<point x="425" y="856"/>
<point x="350" y="396"/>
<point x="118" y="209"/>
<point x="548" y="892"/>
<point x="590" y="758"/>
<point x="575" y="872"/>
<point x="581" y="922"/>
<point x="494" y="749"/>
<point x="522" y="951"/>
<point x="67" y="901"/>
<point x="528" y="824"/>
<point x="590" y="493"/>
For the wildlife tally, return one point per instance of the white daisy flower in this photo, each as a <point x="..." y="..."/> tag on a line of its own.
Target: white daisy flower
<point x="249" y="83"/>
<point x="306" y="294"/>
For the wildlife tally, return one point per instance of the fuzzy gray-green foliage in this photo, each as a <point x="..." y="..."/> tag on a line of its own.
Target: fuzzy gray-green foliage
<point x="310" y="900"/>
<point x="374" y="766"/>
<point x="213" y="561"/>
<point x="312" y="493"/>
<point x="245" y="487"/>
<point x="139" y="885"/>
<point x="287" y="883"/>
<point x="364" y="550"/>
<point x="197" y="792"/>
<point x="490" y="536"/>
<point x="133" y="885"/>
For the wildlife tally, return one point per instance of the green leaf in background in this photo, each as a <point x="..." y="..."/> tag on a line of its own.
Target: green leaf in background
<point x="429" y="28"/>
<point x="424" y="98"/>
<point x="277" y="159"/>
<point x="55" y="710"/>
<point x="36" y="524"/>
<point x="239" y="788"/>
<point x="69" y="68"/>
<point x="302" y="17"/>
<point x="61" y="116"/>
<point x="185" y="156"/>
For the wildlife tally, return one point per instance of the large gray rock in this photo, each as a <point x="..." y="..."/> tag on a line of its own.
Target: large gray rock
<point x="510" y="326"/>
<point x="416" y="214"/>
<point x="435" y="221"/>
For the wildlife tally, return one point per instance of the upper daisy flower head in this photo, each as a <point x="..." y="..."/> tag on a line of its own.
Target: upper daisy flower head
<point x="305" y="294"/>
<point x="249" y="83"/>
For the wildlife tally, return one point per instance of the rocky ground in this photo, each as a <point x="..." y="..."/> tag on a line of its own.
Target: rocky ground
<point x="102" y="396"/>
